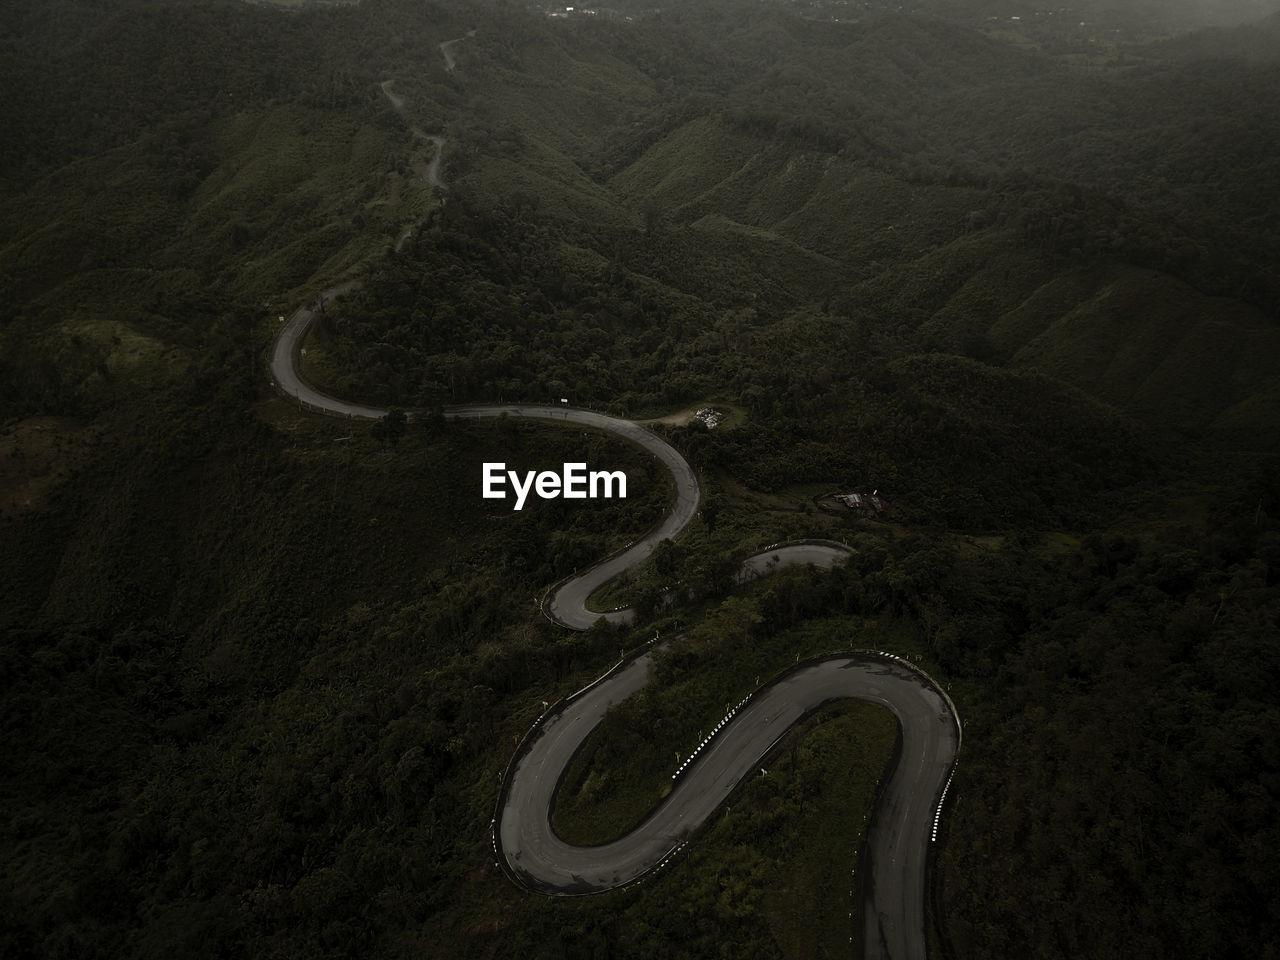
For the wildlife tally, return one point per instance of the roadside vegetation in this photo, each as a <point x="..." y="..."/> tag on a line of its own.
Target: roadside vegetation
<point x="261" y="670"/>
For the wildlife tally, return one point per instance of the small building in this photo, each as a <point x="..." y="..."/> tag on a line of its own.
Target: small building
<point x="711" y="418"/>
<point x="862" y="502"/>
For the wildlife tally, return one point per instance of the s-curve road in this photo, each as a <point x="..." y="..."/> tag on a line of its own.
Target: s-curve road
<point x="893" y="923"/>
<point x="567" y="604"/>
<point x="896" y="860"/>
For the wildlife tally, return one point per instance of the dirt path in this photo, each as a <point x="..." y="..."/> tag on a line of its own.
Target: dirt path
<point x="433" y="168"/>
<point x="449" y="61"/>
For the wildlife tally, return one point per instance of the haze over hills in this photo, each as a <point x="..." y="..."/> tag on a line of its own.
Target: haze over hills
<point x="956" y="187"/>
<point x="262" y="670"/>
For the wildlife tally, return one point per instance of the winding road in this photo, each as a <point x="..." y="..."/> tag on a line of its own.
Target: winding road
<point x="433" y="168"/>
<point x="445" y="50"/>
<point x="896" y="862"/>
<point x="896" y="859"/>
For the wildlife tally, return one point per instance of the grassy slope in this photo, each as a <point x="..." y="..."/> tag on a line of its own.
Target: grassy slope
<point x="878" y="225"/>
<point x="1162" y="350"/>
<point x="284" y="173"/>
<point x="255" y="155"/>
<point x="1141" y="340"/>
<point x="281" y="673"/>
<point x="1136" y="338"/>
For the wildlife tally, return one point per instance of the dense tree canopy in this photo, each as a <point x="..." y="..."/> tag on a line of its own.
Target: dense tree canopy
<point x="261" y="671"/>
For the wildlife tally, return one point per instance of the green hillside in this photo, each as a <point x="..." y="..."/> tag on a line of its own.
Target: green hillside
<point x="261" y="670"/>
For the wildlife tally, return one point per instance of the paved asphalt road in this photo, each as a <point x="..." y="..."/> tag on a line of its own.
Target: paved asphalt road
<point x="815" y="553"/>
<point x="894" y="871"/>
<point x="894" y="877"/>
<point x="567" y="604"/>
<point x="284" y="369"/>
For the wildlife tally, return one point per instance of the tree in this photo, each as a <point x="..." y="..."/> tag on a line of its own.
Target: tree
<point x="652" y="216"/>
<point x="391" y="427"/>
<point x="433" y="422"/>
<point x="667" y="558"/>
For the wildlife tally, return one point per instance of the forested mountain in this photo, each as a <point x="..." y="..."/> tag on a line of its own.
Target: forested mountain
<point x="261" y="670"/>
